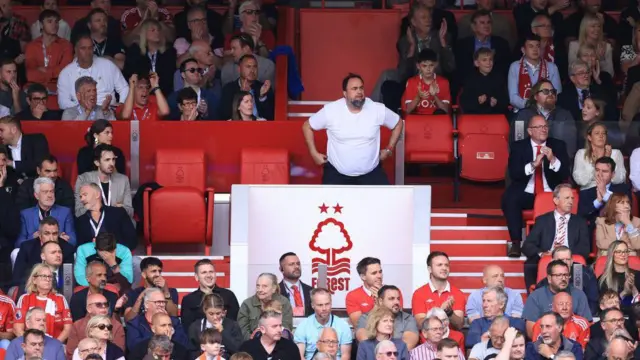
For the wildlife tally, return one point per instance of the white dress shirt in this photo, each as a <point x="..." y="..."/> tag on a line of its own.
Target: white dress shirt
<point x="584" y="171"/>
<point x="103" y="71"/>
<point x="634" y="169"/>
<point x="557" y="216"/>
<point x="530" y="170"/>
<point x="16" y="151"/>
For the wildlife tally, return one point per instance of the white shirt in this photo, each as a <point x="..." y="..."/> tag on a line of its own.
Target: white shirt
<point x="530" y="170"/>
<point x="4" y="111"/>
<point x="634" y="169"/>
<point x="103" y="71"/>
<point x="64" y="31"/>
<point x="557" y="216"/>
<point x="292" y="298"/>
<point x="353" y="145"/>
<point x="16" y="151"/>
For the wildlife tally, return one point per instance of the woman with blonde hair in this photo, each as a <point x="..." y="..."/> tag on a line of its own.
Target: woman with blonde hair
<point x="617" y="274"/>
<point x="380" y="327"/>
<point x="100" y="329"/>
<point x="617" y="224"/>
<point x="267" y="289"/>
<point x="41" y="292"/>
<point x="152" y="55"/>
<point x="595" y="147"/>
<point x="592" y="33"/>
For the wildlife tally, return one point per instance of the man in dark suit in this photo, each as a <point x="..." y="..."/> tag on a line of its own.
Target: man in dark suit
<point x="593" y="200"/>
<point x="554" y="229"/>
<point x="298" y="293"/>
<point x="103" y="219"/>
<point x="30" y="252"/>
<point x="48" y="168"/>
<point x="9" y="217"/>
<point x="537" y="164"/>
<point x="481" y="27"/>
<point x="582" y="86"/>
<point x="25" y="150"/>
<point x="248" y="81"/>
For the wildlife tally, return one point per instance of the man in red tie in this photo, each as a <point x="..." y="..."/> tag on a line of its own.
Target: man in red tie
<point x="536" y="164"/>
<point x="292" y="288"/>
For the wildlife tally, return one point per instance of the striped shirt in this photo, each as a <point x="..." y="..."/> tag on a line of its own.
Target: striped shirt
<point x="428" y="351"/>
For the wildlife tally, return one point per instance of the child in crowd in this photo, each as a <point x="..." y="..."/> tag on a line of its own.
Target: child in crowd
<point x="211" y="345"/>
<point x="426" y="93"/>
<point x="485" y="90"/>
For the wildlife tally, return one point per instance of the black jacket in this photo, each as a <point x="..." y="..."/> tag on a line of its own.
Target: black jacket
<point x="522" y="153"/>
<point x="63" y="192"/>
<point x="214" y="21"/>
<point x="34" y="147"/>
<point x="85" y="160"/>
<point x="585" y="202"/>
<point x="265" y="108"/>
<point x="492" y="85"/>
<point x="26" y="115"/>
<point x="78" y="303"/>
<point x="137" y="63"/>
<point x="82" y="28"/>
<point x="9" y="218"/>
<point x="231" y="337"/>
<point x="29" y="255"/>
<point x="524" y="15"/>
<point x="306" y="294"/>
<point x="568" y="99"/>
<point x="437" y="15"/>
<point x="116" y="221"/>
<point x="191" y="306"/>
<point x="464" y="56"/>
<point x="542" y="234"/>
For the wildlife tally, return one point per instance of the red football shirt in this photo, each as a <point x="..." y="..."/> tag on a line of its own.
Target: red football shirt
<point x="58" y="313"/>
<point x="426" y="106"/>
<point x="359" y="300"/>
<point x="149" y="112"/>
<point x="425" y="298"/>
<point x="131" y="18"/>
<point x="7" y="313"/>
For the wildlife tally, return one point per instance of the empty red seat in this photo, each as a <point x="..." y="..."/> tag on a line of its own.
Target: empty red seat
<point x="264" y="166"/>
<point x="429" y="139"/>
<point x="483" y="147"/>
<point x="181" y="212"/>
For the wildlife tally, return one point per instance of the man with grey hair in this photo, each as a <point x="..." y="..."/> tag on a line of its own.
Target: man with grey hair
<point x="271" y="344"/>
<point x="323" y="356"/>
<point x="583" y="86"/>
<point x="448" y="331"/>
<point x="553" y="229"/>
<point x="493" y="276"/>
<point x="87" y="108"/>
<point x="386" y="350"/>
<point x="493" y="342"/>
<point x="565" y="355"/>
<point x="44" y="192"/>
<point x="88" y="346"/>
<point x="551" y="340"/>
<point x="619" y="348"/>
<point x="328" y="342"/>
<point x="494" y="303"/>
<point x="432" y="331"/>
<point x="160" y="347"/>
<point x="35" y="321"/>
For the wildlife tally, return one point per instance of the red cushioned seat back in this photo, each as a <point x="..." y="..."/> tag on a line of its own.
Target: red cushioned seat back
<point x="178" y="215"/>
<point x="598" y="267"/>
<point x="264" y="166"/>
<point x="483" y="146"/>
<point x="179" y="167"/>
<point x="429" y="138"/>
<point x="546" y="259"/>
<point x="544" y="203"/>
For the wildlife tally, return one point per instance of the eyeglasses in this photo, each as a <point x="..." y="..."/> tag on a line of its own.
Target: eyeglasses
<point x="539" y="127"/>
<point x="189" y="103"/>
<point x="389" y="353"/>
<point x="618" y="320"/>
<point x="563" y="276"/>
<point x="100" y="305"/>
<point x="548" y="91"/>
<point x="251" y="12"/>
<point x="104" y="326"/>
<point x="621" y="252"/>
<point x="193" y="70"/>
<point x="582" y="73"/>
<point x="159" y="302"/>
<point x="441" y="328"/>
<point x="39" y="99"/>
<point x="329" y="342"/>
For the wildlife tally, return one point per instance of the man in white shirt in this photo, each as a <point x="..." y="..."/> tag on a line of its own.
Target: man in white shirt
<point x="107" y="75"/>
<point x="87" y="108"/>
<point x="353" y="131"/>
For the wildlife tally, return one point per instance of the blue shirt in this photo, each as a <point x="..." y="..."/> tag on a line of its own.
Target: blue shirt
<point x="514" y="303"/>
<point x="540" y="301"/>
<point x="514" y="77"/>
<point x="598" y="204"/>
<point x="482" y="44"/>
<point x="52" y="349"/>
<point x="308" y="332"/>
<point x="481" y="326"/>
<point x="366" y="349"/>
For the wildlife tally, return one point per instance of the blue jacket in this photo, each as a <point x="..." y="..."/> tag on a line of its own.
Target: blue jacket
<point x="531" y="352"/>
<point x="138" y="330"/>
<point x="30" y="219"/>
<point x="294" y="82"/>
<point x="52" y="349"/>
<point x="481" y="325"/>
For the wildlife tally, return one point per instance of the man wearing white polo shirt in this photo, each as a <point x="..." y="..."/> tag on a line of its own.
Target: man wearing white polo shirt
<point x="353" y="132"/>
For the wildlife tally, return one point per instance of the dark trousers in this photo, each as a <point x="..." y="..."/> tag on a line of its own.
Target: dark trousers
<point x="531" y="271"/>
<point x="513" y="203"/>
<point x="331" y="176"/>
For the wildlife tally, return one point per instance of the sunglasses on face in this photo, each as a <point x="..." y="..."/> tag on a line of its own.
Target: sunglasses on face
<point x="252" y="12"/>
<point x="100" y="305"/>
<point x="104" y="326"/>
<point x="548" y="91"/>
<point x="390" y="353"/>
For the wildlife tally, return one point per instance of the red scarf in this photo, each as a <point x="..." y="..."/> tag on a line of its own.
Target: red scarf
<point x="31" y="300"/>
<point x="550" y="52"/>
<point x="524" y="81"/>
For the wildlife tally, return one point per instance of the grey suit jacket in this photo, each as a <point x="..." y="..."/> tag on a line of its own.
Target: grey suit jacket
<point x="120" y="190"/>
<point x="74" y="113"/>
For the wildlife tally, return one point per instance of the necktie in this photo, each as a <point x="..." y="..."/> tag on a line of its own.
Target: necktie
<point x="297" y="297"/>
<point x="561" y="231"/>
<point x="585" y="95"/>
<point x="537" y="176"/>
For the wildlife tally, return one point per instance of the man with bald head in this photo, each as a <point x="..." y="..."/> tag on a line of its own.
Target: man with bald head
<point x="96" y="304"/>
<point x="103" y="219"/>
<point x="576" y="327"/>
<point x="328" y="342"/>
<point x="493" y="276"/>
<point x="161" y="324"/>
<point x="536" y="164"/>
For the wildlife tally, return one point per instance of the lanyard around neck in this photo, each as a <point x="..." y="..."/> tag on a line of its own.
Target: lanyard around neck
<point x="106" y="199"/>
<point x="96" y="228"/>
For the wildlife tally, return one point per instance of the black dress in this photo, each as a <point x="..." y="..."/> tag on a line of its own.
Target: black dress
<point x="85" y="160"/>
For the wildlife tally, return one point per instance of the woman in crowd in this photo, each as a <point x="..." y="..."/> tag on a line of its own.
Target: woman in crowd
<point x="617" y="224"/>
<point x="100" y="132"/>
<point x="617" y="274"/>
<point x="629" y="53"/>
<point x="215" y="317"/>
<point x="266" y="290"/>
<point x="100" y="329"/>
<point x="152" y="54"/>
<point x="243" y="107"/>
<point x="591" y="33"/>
<point x="595" y="147"/>
<point x="380" y="327"/>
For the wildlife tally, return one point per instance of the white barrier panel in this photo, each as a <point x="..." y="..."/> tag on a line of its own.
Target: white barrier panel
<point x="332" y="225"/>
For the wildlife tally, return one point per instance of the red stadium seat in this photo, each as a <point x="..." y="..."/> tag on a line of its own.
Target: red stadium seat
<point x="544" y="204"/>
<point x="546" y="259"/>
<point x="52" y="102"/>
<point x="264" y="166"/>
<point x="483" y="147"/>
<point x="598" y="267"/>
<point x="181" y="212"/>
<point x="429" y="140"/>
